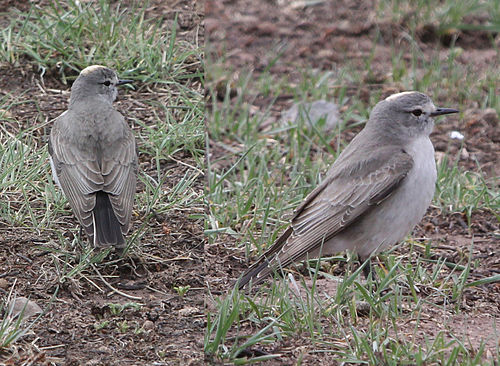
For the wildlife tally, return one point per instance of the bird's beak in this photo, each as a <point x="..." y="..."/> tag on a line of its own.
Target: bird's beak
<point x="441" y="111"/>
<point x="121" y="82"/>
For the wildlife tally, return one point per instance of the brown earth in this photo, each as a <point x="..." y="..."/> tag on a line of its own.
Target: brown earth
<point x="330" y="35"/>
<point x="81" y="324"/>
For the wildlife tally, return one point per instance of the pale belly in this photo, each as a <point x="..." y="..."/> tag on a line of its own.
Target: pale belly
<point x="390" y="221"/>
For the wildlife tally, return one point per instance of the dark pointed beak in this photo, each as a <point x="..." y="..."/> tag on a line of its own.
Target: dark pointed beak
<point x="121" y="82"/>
<point x="441" y="111"/>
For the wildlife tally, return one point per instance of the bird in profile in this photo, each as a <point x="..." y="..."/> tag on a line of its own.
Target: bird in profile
<point x="374" y="194"/>
<point x="93" y="157"/>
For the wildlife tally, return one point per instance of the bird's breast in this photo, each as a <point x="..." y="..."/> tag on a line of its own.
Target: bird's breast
<point x="423" y="173"/>
<point x="391" y="220"/>
<point x="408" y="204"/>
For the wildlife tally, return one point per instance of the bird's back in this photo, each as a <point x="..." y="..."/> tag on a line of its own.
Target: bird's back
<point x="94" y="161"/>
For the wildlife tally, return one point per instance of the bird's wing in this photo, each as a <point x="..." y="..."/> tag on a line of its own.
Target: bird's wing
<point x="119" y="170"/>
<point x="335" y="204"/>
<point x="78" y="173"/>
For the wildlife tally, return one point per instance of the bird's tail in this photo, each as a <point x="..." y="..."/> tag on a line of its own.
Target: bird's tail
<point x="107" y="229"/>
<point x="264" y="265"/>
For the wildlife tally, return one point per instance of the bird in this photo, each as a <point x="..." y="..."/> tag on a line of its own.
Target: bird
<point x="93" y="158"/>
<point x="373" y="195"/>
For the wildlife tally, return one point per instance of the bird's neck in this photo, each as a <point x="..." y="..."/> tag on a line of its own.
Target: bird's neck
<point x="79" y="100"/>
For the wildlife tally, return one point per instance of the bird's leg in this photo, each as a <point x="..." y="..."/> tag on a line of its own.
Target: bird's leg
<point x="367" y="269"/>
<point x="369" y="272"/>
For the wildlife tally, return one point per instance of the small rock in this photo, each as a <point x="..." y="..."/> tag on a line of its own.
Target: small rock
<point x="439" y="156"/>
<point x="464" y="154"/>
<point x="5" y="114"/>
<point x="362" y="308"/>
<point x="311" y="113"/>
<point x="4" y="284"/>
<point x="30" y="307"/>
<point x="374" y="77"/>
<point x="93" y="362"/>
<point x="188" y="310"/>
<point x="326" y="53"/>
<point x="455" y="135"/>
<point x="148" y="325"/>
<point x="490" y="115"/>
<point x="103" y="349"/>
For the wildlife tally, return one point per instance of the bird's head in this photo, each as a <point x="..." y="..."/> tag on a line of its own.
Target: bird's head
<point x="98" y="81"/>
<point x="408" y="114"/>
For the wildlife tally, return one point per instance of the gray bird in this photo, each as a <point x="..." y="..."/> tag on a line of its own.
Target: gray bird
<point x="93" y="157"/>
<point x="374" y="194"/>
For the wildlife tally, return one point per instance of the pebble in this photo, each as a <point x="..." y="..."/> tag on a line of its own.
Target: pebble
<point x="312" y="113"/>
<point x="490" y="115"/>
<point x="4" y="284"/>
<point x="455" y="135"/>
<point x="148" y="325"/>
<point x="30" y="307"/>
<point x="188" y="310"/>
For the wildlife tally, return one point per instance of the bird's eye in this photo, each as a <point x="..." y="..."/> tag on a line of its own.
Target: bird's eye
<point x="416" y="112"/>
<point x="107" y="83"/>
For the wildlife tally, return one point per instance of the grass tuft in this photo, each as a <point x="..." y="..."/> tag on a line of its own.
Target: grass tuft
<point x="61" y="38"/>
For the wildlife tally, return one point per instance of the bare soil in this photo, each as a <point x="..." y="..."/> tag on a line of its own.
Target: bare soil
<point x="333" y="34"/>
<point x="81" y="325"/>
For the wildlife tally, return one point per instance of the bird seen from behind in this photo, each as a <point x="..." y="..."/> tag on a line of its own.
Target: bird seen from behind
<point x="93" y="157"/>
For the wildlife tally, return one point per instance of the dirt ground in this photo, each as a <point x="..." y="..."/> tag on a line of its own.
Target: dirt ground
<point x="331" y="35"/>
<point x="80" y="327"/>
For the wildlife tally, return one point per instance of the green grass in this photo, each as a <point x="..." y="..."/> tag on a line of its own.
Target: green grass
<point x="359" y="324"/>
<point x="446" y="15"/>
<point x="258" y="176"/>
<point x="465" y="191"/>
<point x="61" y="37"/>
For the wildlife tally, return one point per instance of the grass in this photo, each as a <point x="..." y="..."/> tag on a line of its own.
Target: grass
<point x="57" y="40"/>
<point x="61" y="36"/>
<point x="465" y="191"/>
<point x="256" y="177"/>
<point x="446" y="15"/>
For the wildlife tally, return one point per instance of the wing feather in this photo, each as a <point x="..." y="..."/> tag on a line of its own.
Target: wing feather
<point x="120" y="177"/>
<point x="77" y="174"/>
<point x="348" y="192"/>
<point x="111" y="168"/>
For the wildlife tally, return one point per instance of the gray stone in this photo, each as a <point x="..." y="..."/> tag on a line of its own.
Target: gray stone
<point x="312" y="113"/>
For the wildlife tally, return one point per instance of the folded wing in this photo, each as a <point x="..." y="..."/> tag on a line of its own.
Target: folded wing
<point x="344" y="196"/>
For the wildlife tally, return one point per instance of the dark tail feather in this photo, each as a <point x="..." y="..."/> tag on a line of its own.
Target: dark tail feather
<point x="107" y="229"/>
<point x="262" y="268"/>
<point x="253" y="272"/>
